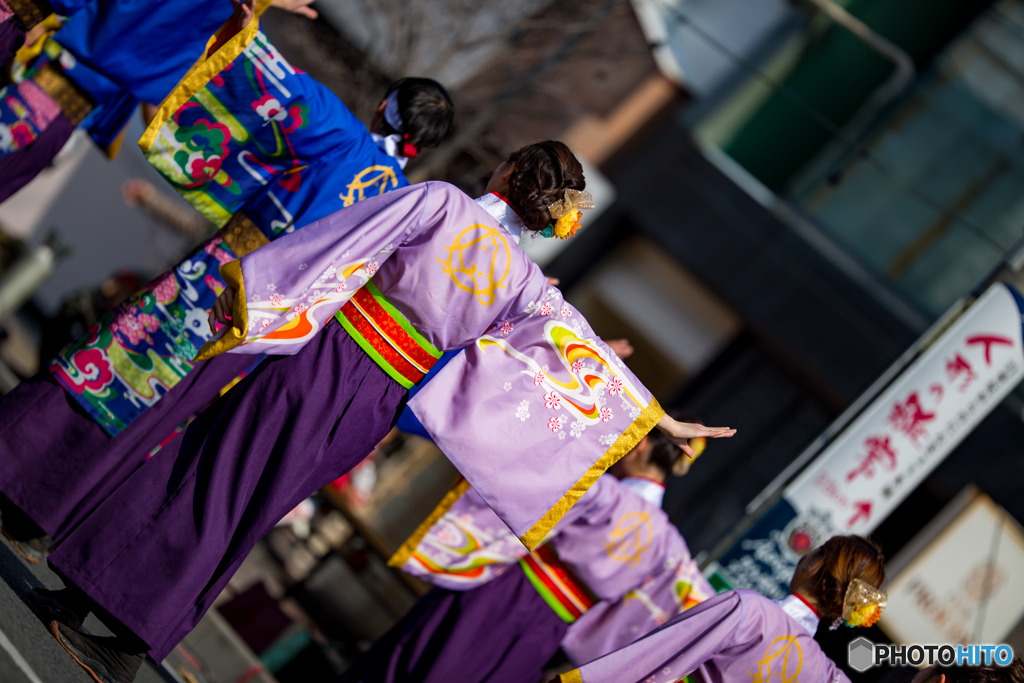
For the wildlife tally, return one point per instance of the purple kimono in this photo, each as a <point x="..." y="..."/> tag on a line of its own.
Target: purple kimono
<point x="735" y="636"/>
<point x="433" y="269"/>
<point x="630" y="555"/>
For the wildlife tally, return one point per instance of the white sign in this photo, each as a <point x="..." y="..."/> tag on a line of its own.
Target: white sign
<point x="908" y="430"/>
<point x="965" y="586"/>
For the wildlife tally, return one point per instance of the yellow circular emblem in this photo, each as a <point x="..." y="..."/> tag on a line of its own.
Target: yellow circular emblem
<point x="782" y="658"/>
<point x="369" y="179"/>
<point x="478" y="261"/>
<point x="630" y="538"/>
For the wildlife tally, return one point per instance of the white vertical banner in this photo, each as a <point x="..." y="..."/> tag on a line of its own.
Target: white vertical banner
<point x="927" y="411"/>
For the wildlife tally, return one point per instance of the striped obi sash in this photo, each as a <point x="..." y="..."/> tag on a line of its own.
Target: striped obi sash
<point x="387" y="337"/>
<point x="563" y="592"/>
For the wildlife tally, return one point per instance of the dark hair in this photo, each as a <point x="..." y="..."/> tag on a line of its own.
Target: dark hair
<point x="543" y="172"/>
<point x="663" y="453"/>
<point x="841" y="560"/>
<point x="1013" y="673"/>
<point x="426" y="110"/>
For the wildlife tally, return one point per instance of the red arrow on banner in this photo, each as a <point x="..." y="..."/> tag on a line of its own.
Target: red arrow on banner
<point x="863" y="510"/>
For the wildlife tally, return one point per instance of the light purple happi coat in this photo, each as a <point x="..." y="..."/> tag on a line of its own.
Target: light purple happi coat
<point x="675" y="586"/>
<point x="736" y="636"/>
<point x="533" y="412"/>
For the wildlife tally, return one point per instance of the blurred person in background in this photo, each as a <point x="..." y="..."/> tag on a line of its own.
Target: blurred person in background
<point x="741" y="633"/>
<point x="1013" y="673"/>
<point x="109" y="398"/>
<point x="613" y="569"/>
<point x="300" y="421"/>
<point x="96" y="68"/>
<point x="167" y="210"/>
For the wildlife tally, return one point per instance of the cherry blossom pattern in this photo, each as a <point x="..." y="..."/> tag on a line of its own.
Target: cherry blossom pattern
<point x="555" y="424"/>
<point x="507" y="386"/>
<point x="299" y="308"/>
<point x="577" y="428"/>
<point x="272" y="287"/>
<point x="135" y="326"/>
<point x="264" y="324"/>
<point x="545" y="308"/>
<point x="506" y="328"/>
<point x="606" y="414"/>
<point x="565" y="311"/>
<point x="538" y="379"/>
<point x="341" y="288"/>
<point x="615" y="386"/>
<point x="561" y="436"/>
<point x="608" y="439"/>
<point x="523" y="411"/>
<point x="577" y="366"/>
<point x="276" y="300"/>
<point x="552" y="401"/>
<point x="371" y="268"/>
<point x="303" y="266"/>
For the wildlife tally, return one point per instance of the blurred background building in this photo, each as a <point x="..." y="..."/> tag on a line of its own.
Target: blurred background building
<point x="791" y="192"/>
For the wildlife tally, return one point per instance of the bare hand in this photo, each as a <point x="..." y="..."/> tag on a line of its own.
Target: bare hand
<point x="622" y="348"/>
<point x="297" y="7"/>
<point x="137" y="192"/>
<point x="244" y="12"/>
<point x="680" y="433"/>
<point x="222" y="308"/>
<point x="553" y="281"/>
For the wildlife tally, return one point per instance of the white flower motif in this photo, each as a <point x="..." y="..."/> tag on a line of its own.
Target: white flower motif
<point x="299" y="307"/>
<point x="555" y="424"/>
<point x="276" y="299"/>
<point x="508" y="386"/>
<point x="270" y="109"/>
<point x="264" y="324"/>
<point x="565" y="311"/>
<point x="538" y="379"/>
<point x="330" y="272"/>
<point x="577" y="366"/>
<point x="532" y="307"/>
<point x="272" y="287"/>
<point x="311" y="298"/>
<point x="506" y="328"/>
<point x="371" y="268"/>
<point x="545" y="308"/>
<point x="552" y="401"/>
<point x="634" y="413"/>
<point x="615" y="386"/>
<point x="303" y="266"/>
<point x="606" y="414"/>
<point x="608" y="439"/>
<point x="341" y="288"/>
<point x="666" y="671"/>
<point x="577" y="327"/>
<point x="523" y="411"/>
<point x="561" y="436"/>
<point x="577" y="428"/>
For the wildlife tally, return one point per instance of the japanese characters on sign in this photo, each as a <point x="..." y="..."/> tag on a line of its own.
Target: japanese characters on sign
<point x="891" y="447"/>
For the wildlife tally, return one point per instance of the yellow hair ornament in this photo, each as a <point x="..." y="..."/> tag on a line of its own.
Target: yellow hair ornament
<point x="566" y="214"/>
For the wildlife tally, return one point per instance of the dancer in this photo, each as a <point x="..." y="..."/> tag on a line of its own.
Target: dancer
<point x="108" y="56"/>
<point x="742" y="633"/>
<point x="491" y="620"/>
<point x="410" y="273"/>
<point x="114" y="394"/>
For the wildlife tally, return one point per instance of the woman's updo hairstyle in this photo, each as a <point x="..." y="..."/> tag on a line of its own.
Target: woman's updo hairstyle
<point x="841" y="560"/>
<point x="543" y="172"/>
<point x="426" y="109"/>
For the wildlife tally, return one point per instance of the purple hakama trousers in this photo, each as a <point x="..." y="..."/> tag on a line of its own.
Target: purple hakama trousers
<point x="57" y="464"/>
<point x="161" y="548"/>
<point x="21" y="166"/>
<point x="501" y="632"/>
<point x="12" y="36"/>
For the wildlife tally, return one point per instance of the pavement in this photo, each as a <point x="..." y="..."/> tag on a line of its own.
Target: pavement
<point x="29" y="654"/>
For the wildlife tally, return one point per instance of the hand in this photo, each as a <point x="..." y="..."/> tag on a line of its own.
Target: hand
<point x="244" y="12"/>
<point x="553" y="281"/>
<point x="680" y="433"/>
<point x="622" y="348"/>
<point x="297" y="7"/>
<point x="137" y="192"/>
<point x="222" y="308"/>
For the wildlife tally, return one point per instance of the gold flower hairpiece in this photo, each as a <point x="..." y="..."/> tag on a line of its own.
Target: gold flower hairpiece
<point x="566" y="213"/>
<point x="863" y="604"/>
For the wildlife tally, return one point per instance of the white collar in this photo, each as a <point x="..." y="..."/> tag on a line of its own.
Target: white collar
<point x="651" y="491"/>
<point x="800" y="612"/>
<point x="390" y="145"/>
<point x="493" y="204"/>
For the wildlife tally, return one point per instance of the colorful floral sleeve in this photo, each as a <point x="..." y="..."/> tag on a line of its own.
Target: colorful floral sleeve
<point x="534" y="412"/>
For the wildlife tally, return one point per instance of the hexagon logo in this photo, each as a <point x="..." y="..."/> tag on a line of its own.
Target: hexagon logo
<point x="862" y="654"/>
